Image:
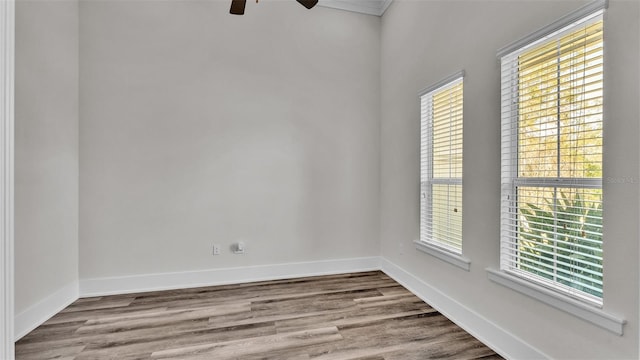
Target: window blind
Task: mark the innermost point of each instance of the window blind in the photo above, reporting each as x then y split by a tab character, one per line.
441	166
551	176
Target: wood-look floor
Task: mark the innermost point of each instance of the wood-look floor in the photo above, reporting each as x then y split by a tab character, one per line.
353	316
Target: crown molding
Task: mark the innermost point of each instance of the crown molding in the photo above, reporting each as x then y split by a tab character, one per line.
369	7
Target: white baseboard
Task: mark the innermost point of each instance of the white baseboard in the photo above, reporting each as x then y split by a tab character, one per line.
501	341
178	280
42	311
498	339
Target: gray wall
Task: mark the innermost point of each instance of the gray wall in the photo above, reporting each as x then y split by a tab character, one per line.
199	127
423	42
46	179
295	131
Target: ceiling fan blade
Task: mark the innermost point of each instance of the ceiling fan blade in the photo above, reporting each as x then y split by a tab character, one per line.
237	7
308	3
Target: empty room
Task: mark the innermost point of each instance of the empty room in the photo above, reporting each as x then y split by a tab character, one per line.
332	179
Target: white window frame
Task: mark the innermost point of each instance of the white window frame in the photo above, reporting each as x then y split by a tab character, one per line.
586	309
427	243
511	181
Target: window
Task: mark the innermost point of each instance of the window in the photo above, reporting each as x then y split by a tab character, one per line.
441	165
551	202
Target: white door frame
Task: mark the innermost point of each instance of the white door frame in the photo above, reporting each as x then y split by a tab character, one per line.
7	52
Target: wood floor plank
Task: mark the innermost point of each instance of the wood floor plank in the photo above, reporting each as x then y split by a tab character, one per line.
383	297
104	303
144	347
56	353
258	345
363	316
148	335
84	316
114	324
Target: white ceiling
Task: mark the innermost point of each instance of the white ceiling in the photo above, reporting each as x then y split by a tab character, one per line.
370	7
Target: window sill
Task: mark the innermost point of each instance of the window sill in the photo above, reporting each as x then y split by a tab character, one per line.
574	307
444	255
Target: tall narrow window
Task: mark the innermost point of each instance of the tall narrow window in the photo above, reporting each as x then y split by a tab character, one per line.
441	166
552	116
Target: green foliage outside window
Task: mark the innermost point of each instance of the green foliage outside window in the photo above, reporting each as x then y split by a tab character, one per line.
567	247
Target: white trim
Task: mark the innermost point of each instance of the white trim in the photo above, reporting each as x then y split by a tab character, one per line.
42	311
444	255
559	182
237	275
7	52
385	6
498	339
368	7
557	25
589	290
559	301
450	238
450	80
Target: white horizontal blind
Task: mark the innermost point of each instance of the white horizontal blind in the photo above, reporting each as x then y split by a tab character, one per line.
441	167
551	203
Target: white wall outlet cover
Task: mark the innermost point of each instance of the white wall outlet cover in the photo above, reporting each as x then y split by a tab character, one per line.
239	247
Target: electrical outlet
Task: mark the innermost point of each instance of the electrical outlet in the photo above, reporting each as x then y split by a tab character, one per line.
239	248
216	249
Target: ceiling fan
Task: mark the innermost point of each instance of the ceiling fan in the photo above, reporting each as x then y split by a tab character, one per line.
237	6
